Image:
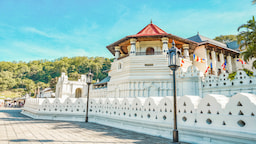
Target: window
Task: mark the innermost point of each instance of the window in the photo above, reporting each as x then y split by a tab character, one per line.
219	72
210	55
78	93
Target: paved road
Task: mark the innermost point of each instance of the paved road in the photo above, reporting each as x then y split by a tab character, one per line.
17	128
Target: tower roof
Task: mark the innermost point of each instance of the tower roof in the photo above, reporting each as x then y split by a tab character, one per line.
199	38
150	30
149	33
204	40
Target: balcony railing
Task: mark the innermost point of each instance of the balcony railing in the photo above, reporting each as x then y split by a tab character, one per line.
142	53
151	53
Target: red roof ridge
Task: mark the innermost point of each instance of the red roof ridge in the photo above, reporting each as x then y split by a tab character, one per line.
150	29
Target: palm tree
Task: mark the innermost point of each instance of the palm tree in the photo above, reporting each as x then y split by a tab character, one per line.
247	39
248	36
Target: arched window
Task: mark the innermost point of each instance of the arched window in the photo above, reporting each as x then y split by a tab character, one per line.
150	51
78	93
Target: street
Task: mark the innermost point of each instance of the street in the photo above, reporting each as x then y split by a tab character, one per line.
17	128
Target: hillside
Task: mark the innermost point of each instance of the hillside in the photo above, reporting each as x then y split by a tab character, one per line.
25	77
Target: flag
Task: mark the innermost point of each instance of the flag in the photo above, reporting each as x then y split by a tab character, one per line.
240	60
182	62
198	59
202	60
210	66
207	69
224	65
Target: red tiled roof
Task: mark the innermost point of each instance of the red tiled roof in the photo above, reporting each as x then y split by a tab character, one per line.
150	30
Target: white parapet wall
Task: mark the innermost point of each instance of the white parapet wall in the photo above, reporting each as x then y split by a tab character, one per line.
212	119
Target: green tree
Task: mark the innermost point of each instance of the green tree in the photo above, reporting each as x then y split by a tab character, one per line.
6	80
74	76
225	38
29	85
26	77
53	83
247	39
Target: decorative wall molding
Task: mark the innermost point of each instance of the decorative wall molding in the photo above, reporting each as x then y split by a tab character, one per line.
214	118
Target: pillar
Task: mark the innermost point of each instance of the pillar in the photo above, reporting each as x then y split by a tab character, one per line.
221	60
207	60
214	62
165	44
229	64
133	47
117	52
237	64
186	50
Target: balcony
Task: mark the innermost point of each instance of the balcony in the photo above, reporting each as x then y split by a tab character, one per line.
143	54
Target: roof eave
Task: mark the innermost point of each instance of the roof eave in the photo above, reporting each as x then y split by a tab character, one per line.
208	42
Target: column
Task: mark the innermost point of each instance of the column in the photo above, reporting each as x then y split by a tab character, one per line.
214	62
186	50
117	52
207	59
165	44
133	47
237	64
229	64
221	60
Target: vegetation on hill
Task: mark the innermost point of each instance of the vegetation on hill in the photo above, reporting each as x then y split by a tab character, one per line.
25	77
225	38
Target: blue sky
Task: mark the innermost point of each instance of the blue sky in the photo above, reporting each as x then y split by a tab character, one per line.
49	29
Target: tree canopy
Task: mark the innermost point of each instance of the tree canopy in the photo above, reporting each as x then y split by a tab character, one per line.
225	38
26	77
247	39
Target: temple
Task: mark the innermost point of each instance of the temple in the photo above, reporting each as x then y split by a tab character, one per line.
216	100
140	66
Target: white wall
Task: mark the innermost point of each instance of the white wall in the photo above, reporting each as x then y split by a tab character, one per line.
212	119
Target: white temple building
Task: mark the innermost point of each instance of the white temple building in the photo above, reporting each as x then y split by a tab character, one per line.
137	94
140	68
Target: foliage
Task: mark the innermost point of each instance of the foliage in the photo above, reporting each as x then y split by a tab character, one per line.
249	52
10	94
247	39
248	72
225	38
27	77
254	64
232	75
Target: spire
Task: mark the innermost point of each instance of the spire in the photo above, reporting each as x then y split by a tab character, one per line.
173	44
197	33
151	21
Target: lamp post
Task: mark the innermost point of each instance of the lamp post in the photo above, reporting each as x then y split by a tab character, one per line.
173	64
89	77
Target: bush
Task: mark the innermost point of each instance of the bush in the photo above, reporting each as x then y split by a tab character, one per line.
248	72
232	75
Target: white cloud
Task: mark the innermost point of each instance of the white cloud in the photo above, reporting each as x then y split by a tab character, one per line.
33	51
54	35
